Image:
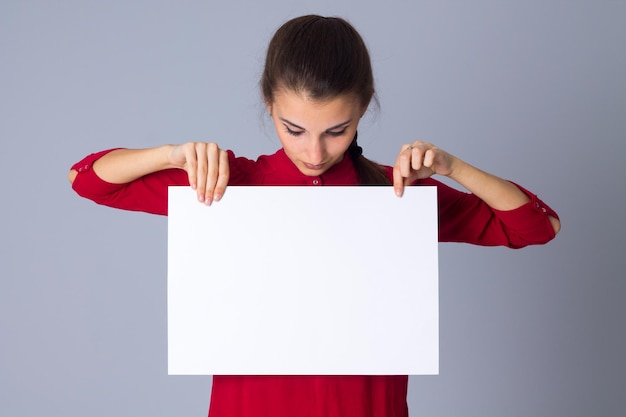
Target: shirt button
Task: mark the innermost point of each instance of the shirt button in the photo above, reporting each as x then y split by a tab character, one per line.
316	182
84	168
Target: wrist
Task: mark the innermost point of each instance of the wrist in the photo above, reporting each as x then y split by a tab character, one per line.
458	169
166	156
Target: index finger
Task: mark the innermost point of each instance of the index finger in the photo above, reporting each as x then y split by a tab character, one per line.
398	181
403	163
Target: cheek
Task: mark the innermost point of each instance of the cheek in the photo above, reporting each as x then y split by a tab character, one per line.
341	146
290	146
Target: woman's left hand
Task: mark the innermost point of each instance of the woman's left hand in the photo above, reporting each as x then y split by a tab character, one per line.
420	160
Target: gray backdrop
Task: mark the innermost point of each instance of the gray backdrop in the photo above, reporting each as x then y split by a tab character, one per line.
531	90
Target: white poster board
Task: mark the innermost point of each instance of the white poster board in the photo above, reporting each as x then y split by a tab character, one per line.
303	281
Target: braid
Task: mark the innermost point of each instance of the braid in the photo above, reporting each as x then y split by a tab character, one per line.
369	172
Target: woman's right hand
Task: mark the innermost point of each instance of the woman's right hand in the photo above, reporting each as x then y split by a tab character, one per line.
207	168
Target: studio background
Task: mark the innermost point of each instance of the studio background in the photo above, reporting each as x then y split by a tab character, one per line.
533	91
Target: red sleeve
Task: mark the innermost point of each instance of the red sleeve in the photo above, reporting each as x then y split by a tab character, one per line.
463	217
147	194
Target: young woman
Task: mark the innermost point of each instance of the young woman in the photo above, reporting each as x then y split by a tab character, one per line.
317	84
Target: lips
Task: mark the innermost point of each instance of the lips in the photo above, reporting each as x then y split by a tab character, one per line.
314	167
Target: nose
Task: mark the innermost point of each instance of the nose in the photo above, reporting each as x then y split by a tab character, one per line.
316	150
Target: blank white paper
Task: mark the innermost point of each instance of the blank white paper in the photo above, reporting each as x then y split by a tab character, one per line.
303	281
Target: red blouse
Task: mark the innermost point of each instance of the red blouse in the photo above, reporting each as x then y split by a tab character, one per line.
463	217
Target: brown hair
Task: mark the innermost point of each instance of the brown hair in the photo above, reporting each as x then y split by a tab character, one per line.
323	57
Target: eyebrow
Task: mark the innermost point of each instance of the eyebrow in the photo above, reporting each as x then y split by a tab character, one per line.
330	128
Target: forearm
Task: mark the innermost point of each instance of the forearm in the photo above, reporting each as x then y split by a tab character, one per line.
125	165
498	193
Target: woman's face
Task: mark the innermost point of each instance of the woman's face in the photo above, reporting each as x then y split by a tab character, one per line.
315	134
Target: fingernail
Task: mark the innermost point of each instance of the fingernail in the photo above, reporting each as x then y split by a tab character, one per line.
200	197
208	201
399	193
217	197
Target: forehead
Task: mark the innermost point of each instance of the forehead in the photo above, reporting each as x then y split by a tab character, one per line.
296	104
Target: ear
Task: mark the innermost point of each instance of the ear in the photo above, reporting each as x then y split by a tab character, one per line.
268	106
364	109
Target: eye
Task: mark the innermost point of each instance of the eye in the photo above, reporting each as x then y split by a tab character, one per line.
293	132
337	134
